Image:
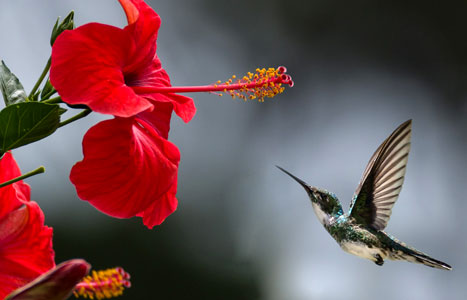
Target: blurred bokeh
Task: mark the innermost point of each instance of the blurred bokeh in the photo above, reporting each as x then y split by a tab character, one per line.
243	230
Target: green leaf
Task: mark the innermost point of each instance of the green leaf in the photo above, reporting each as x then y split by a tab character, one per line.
27	122
12	90
61	111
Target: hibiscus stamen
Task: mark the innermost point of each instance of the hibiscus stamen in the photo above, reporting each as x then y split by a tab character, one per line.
259	85
103	284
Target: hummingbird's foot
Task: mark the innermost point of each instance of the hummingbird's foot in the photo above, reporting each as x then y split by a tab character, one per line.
379	260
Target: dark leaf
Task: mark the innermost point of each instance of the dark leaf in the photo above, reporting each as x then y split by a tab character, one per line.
27	122
61	111
12	90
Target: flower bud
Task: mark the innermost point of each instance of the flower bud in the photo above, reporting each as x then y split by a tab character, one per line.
56	284
67	24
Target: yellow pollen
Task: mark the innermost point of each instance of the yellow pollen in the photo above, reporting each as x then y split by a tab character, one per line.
259	85
103	284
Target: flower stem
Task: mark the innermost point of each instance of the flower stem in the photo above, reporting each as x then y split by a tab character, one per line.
53	100
265	83
81	115
196	89
39	81
39	170
46	96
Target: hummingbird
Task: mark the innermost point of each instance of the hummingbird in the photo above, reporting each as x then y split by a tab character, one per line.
360	232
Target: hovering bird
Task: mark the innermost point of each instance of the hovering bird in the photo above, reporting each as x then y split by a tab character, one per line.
361	231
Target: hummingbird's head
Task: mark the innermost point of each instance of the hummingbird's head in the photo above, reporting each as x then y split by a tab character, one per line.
325	204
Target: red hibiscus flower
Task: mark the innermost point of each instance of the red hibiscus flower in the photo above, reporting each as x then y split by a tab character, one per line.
99	65
129	167
25	243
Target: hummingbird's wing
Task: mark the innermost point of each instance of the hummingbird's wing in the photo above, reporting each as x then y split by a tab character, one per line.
382	180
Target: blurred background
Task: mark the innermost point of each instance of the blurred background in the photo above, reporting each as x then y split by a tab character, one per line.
243	229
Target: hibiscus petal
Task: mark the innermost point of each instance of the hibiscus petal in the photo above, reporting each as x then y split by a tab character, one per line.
26	247
159	118
160	209
143	25
11	196
127	166
184	107
87	68
130	10
153	75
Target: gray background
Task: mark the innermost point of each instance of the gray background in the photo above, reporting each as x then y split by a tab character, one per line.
243	230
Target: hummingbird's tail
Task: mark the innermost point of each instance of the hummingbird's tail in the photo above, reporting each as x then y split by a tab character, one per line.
404	252
419	257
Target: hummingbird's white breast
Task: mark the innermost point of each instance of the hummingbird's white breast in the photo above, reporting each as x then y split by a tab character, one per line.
362	250
322	216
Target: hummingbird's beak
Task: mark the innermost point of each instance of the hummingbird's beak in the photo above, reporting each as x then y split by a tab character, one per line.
301	182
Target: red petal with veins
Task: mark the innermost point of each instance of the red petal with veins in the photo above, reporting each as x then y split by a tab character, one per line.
159	118
25	243
87	69
159	210
25	247
11	196
143	30
129	169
